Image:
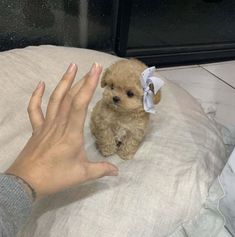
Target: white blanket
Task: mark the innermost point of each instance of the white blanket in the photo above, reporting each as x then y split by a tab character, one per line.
162	187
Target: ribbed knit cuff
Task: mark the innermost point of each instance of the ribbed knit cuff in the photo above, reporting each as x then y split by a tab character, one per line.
14	200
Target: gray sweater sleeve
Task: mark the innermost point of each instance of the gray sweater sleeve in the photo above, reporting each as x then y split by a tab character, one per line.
15	206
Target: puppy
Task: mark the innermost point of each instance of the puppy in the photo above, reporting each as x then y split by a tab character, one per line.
119	121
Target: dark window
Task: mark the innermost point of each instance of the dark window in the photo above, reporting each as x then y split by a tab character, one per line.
59	22
162	32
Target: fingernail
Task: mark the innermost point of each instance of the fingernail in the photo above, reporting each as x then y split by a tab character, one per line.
113	173
39	84
113	170
71	67
94	68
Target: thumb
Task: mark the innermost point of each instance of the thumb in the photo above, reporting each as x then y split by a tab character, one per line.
97	170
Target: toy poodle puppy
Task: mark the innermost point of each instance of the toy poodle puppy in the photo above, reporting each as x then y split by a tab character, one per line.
119	120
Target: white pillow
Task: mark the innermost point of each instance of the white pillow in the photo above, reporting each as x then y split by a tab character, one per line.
162	187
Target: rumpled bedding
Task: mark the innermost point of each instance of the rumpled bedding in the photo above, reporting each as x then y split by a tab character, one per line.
164	186
217	215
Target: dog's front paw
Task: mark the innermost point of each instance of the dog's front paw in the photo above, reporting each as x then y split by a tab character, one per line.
107	150
125	156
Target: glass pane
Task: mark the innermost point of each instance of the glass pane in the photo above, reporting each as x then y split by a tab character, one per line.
89	25
60	22
164	23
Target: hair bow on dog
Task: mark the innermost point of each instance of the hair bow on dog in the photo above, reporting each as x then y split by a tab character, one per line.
146	79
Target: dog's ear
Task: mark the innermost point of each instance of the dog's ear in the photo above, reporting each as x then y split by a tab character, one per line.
104	78
157	97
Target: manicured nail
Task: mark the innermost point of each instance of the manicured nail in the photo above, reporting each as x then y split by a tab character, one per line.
113	170
40	84
94	68
113	173
71	68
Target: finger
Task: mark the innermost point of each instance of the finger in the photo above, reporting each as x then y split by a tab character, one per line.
100	169
66	103
60	91
74	90
85	94
82	99
34	108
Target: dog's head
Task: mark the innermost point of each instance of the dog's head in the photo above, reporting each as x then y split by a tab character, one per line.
123	91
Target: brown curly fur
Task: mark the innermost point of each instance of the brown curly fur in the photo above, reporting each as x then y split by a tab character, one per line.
120	126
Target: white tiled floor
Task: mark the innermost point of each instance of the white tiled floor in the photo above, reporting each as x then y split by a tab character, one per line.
224	70
213	85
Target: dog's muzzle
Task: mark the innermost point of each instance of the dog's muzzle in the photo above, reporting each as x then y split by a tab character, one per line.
116	99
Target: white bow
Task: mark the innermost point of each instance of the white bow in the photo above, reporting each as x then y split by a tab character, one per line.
146	79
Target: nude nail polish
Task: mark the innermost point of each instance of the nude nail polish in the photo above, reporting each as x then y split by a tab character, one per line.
39	84
94	68
71	68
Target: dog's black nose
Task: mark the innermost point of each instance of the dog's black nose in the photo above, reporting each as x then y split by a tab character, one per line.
116	99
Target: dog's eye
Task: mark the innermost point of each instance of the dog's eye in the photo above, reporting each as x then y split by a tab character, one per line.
111	86
130	94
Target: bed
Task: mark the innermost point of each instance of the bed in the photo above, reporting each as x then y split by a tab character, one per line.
163	191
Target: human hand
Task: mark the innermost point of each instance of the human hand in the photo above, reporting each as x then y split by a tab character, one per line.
54	157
